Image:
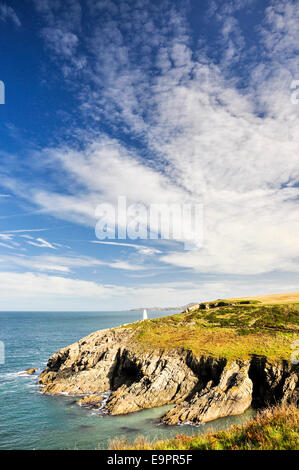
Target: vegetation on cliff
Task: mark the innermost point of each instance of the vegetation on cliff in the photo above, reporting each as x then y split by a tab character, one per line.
224	329
211	361
275	428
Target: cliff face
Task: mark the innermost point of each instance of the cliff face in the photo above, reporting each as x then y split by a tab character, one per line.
202	388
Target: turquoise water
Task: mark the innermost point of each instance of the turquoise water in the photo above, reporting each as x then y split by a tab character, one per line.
30	420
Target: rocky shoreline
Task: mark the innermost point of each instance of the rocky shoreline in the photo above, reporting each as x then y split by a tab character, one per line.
202	388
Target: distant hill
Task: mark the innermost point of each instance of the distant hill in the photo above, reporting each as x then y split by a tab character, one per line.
285	298
153	309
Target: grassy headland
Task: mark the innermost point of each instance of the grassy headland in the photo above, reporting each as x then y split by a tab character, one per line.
235	328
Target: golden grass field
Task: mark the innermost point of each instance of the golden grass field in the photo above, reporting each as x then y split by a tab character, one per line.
285	298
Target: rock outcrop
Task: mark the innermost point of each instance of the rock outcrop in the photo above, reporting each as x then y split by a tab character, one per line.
90	366
93	401
31	371
231	396
202	388
274	382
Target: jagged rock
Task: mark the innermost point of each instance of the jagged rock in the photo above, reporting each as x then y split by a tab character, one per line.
232	396
31	371
164	378
88	366
203	388
94	401
191	308
290	391
274	382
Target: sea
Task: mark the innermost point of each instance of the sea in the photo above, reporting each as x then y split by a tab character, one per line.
32	420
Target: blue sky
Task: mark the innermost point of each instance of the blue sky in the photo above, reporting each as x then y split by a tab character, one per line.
161	102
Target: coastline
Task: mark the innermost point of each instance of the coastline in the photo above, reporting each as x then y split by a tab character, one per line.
142	374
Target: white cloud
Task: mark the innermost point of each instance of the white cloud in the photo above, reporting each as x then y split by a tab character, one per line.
205	138
63	21
8	14
49	292
30	284
41	243
11	236
62	42
6	236
144	250
65	264
26	230
5	245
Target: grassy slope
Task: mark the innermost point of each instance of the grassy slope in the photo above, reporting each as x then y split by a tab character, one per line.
231	331
285	298
272	429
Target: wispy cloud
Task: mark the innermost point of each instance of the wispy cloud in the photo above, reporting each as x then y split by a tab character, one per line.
56	292
65	264
6	236
144	250
6	245
7	13
15	237
25	230
202	132
41	243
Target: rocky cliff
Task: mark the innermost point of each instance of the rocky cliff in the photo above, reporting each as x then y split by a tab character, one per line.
202	387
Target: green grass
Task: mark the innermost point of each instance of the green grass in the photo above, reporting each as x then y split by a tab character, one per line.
275	428
230	331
